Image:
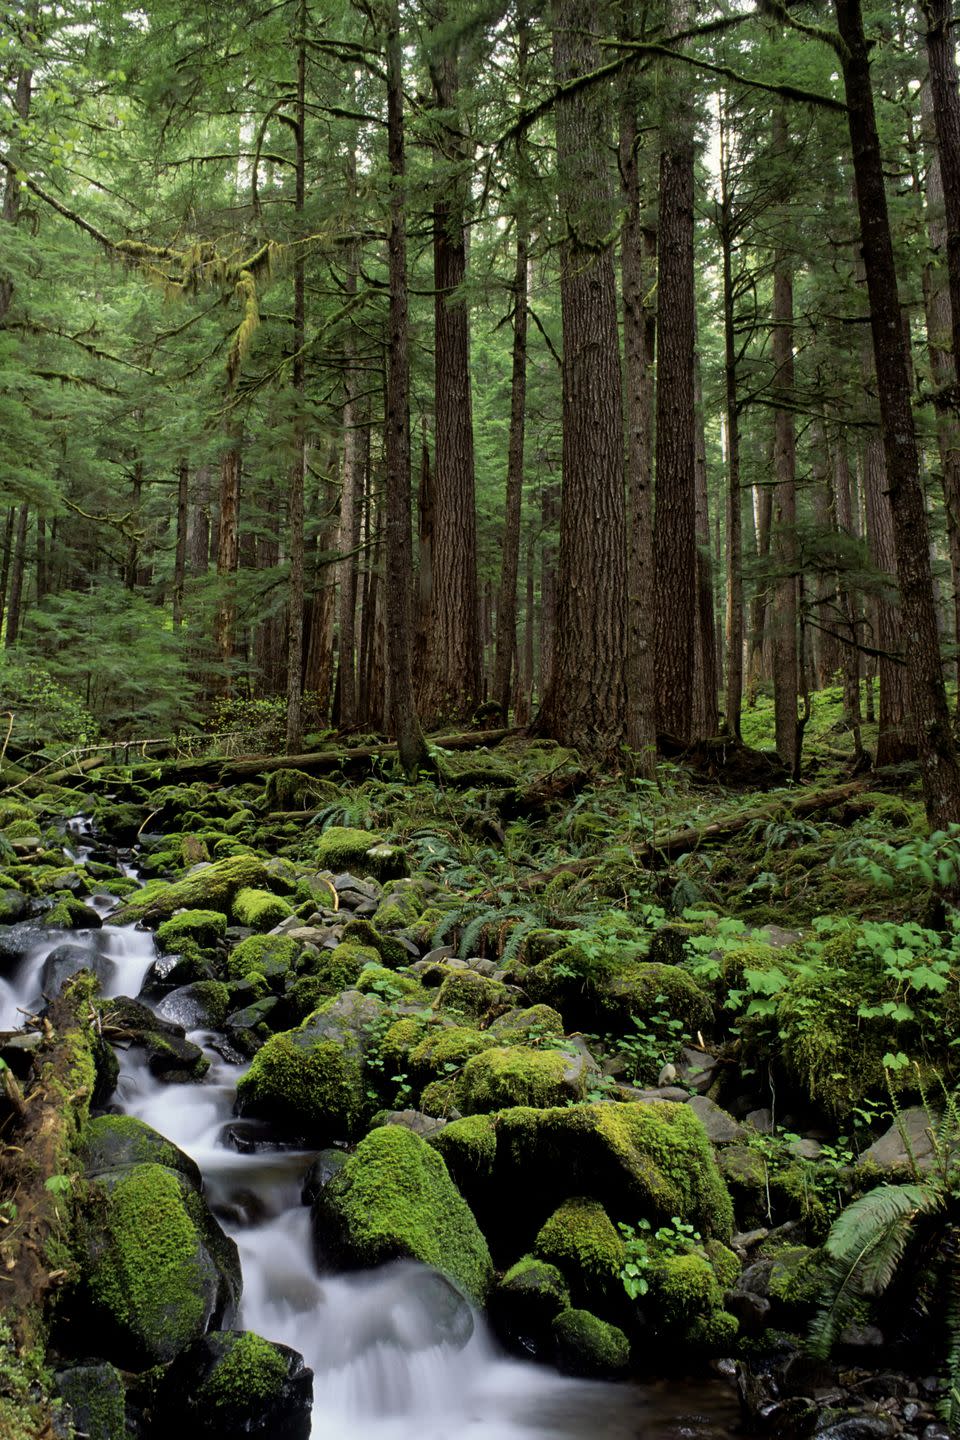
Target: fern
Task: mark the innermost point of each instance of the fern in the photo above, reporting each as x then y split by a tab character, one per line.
864	1247
474	930
447	923
518	934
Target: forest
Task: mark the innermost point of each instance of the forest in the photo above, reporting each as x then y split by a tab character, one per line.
480	713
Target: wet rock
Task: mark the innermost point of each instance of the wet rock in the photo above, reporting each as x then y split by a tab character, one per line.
589	1347
672	1093
170	1055
752	1311
96	1398
438	955
195	1006
525	1303
721	1128
65	961
234	1383
697	1070
115	1142
14	906
328	1163
859	1427
415	1120
909	1135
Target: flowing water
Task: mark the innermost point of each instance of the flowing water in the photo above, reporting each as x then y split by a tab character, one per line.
370	1338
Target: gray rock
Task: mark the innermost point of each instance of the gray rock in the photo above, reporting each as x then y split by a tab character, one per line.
65	961
779	938
751	1310
909	1134
328	1163
14	906
761	1120
697	1070
366	889
721	1128
440	953
671	1093
415	1120
805	1148
96	1400
859	1427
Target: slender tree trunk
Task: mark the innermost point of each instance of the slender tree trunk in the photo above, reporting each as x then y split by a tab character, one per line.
893	745
451	682
786	674
944	93
299	469
734	626
43	576
350	501
706	715
132	562
7	557
638	418
228	556
938	760
399	543
849	652
21	104
760	601
674	535
16	581
180	557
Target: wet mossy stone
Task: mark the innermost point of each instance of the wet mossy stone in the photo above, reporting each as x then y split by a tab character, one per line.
170	1055
253	953
114	1142
392	952
339	968
156	1269
643	989
587	1347
14	905
202	1004
580	1240
446	1047
641	1160
687	1302
259	909
527	1026
402	903
234	1383
340	848
207	887
203	927
312	1081
512	1075
392	985
395	1199
69	914
97	1400
475	996
250	1027
524	1304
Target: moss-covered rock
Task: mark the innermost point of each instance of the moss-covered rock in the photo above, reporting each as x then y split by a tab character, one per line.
394	1198
524	1304
234	1383
471	995
532	1025
69	914
170	1055
340	848
687	1301
209	887
581	1241
339	968
512	1075
156	1269
203	927
588	1347
391	952
445	1048
403	903
644	989
112	1142
256	951
97	1400
259	909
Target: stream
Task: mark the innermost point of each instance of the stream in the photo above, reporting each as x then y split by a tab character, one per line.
368	1337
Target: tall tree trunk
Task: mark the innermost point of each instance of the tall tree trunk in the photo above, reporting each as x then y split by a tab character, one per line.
706	715
786	673
734	619
350	502
228	556
180	557
405	723
43	571
942	59
21	104
132	562
827	648
849	652
760	600
893	745
299	468
7	557
506	644
16	581
674	534
638	418
451	682
938	760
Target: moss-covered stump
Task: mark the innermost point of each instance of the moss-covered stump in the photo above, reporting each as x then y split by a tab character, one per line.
259	909
580	1240
394	1199
524	1304
234	1383
209	887
96	1400
156	1270
588	1347
311	1082
360	851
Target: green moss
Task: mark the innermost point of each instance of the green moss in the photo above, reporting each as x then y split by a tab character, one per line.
402	904
530	1026
340	848
295	790
402	1038
685	1286
532	1274
22	830
726	1264
96	1397
26	1407
581	1241
210	887
392	953
589	1347
515	1075
68	914
259	909
393	986
253	1371
444	1047
113	1141
148	1270
394	1198
203	927
464	992
305	1083
642	989
796	1280
251	954
340	968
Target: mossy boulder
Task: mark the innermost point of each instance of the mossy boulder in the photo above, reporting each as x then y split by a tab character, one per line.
257	951
97	1400
14	905
112	1142
170	1055
69	914
156	1269
445	1048
203	927
208	887
203	1004
402	903
312	1082
524	1304
531	1025
474	996
391	951
339	968
687	1302
234	1383
259	909
469	1150
394	1198
588	1347
512	1075
581	1241
340	848
643	990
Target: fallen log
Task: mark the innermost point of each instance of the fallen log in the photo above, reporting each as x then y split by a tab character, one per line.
694	837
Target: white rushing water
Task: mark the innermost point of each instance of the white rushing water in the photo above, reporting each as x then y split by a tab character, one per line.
370	1338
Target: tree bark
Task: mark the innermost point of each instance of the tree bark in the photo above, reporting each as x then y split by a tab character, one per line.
734	618
299	468
786	673
674	534
16	582
21	104
706	715
942	60
180	556
399	543
937	756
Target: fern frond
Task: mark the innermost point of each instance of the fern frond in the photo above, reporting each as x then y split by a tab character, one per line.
518	934
474	930
864	1247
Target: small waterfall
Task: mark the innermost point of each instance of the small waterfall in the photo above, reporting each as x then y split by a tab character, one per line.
381	1373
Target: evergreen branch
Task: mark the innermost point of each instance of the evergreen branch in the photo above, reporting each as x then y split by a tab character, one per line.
785	92
778	10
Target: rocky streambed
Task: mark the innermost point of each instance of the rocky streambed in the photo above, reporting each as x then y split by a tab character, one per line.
329	1177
